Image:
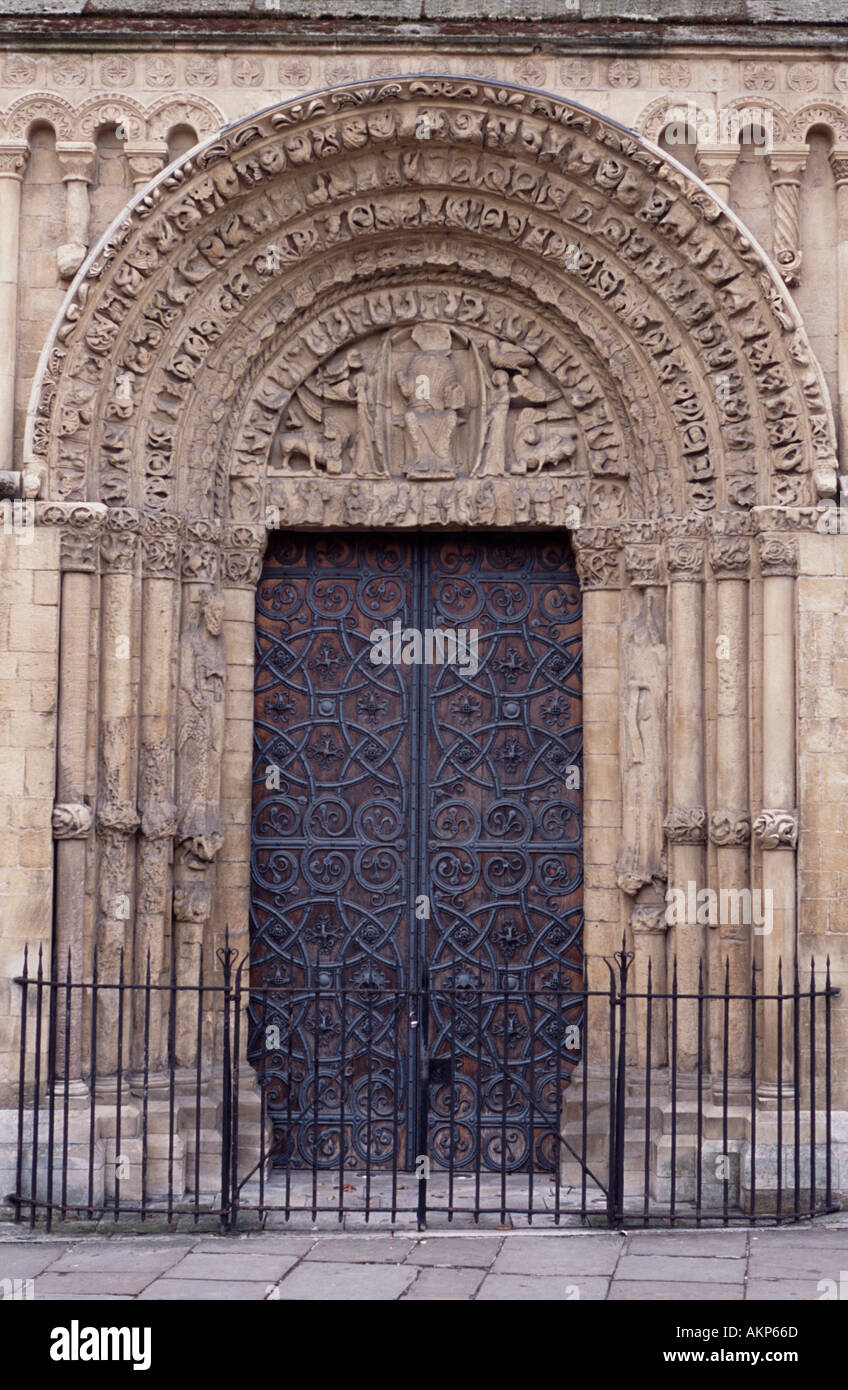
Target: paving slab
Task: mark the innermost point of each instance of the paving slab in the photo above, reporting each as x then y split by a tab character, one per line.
127	1283
781	1290
470	1251
263	1243
795	1262
688	1269
730	1243
115	1256
445	1284
384	1249
25	1261
530	1288
568	1255
263	1269
350	1282
185	1290
650	1290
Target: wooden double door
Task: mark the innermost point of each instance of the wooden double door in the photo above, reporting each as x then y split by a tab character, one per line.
416	854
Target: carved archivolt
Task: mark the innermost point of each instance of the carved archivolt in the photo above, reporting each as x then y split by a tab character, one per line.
529	308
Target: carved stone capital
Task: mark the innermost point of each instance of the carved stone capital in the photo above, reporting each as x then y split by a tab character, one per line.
77	160
839	164
649	919
685	560
776	829
643	566
71	820
145	160
686	825
778	555
730	827
730	556
119	541
200	550
243	549
13	158
787	165
81	523
160	546
598	569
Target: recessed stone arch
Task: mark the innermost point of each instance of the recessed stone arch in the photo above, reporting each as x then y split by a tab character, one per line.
612	353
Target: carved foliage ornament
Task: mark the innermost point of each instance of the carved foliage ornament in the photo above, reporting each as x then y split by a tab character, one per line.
686	825
730	827
776	829
536	178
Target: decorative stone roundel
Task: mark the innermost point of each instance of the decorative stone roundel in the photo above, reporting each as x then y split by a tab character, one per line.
425	301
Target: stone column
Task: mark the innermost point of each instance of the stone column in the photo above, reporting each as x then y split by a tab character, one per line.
72	814
13	158
730	821
77	161
117	818
686	821
776	827
716	163
839	164
787	170
159	612
145	161
200	718
597	552
641	866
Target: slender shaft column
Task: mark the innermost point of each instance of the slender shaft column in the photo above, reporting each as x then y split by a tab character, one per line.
13	158
839	164
71	813
686	822
159	613
730	821
787	170
599	567
117	817
77	162
776	827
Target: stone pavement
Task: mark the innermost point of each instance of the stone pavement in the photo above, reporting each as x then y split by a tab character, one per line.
732	1265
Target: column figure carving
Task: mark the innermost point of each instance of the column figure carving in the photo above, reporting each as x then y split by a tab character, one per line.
117	817
200	739
160	559
839	165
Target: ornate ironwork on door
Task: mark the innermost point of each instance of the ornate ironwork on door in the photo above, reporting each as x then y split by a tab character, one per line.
416	907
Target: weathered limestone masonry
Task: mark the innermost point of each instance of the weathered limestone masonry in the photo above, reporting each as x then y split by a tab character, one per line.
555	195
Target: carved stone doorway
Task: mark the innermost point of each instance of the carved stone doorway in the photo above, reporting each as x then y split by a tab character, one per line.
416	864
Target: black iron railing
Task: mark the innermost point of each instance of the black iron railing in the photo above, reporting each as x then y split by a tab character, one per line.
222	1099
